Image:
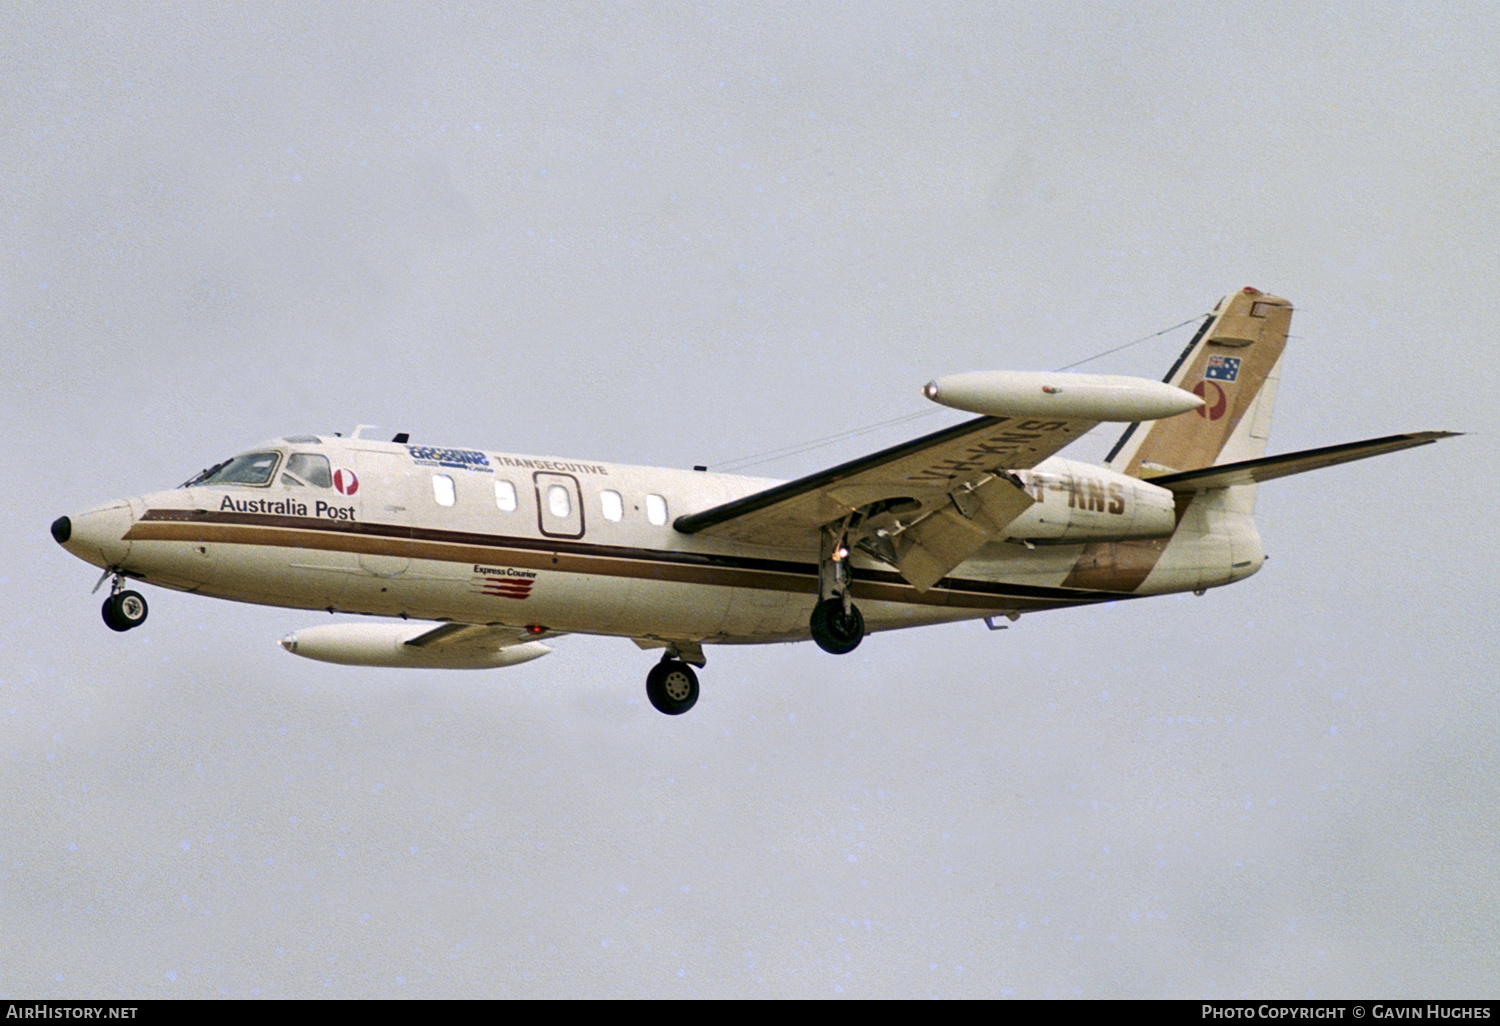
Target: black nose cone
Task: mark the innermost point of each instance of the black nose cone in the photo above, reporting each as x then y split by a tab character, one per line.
62	530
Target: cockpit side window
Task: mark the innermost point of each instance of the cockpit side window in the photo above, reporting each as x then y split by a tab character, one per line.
253	468
307	468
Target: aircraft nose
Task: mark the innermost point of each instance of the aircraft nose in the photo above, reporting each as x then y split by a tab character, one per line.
98	535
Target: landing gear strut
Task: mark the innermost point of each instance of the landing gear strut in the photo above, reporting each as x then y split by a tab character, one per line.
672	686
123	610
836	625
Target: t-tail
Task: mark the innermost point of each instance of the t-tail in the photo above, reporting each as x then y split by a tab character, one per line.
1233	363
1212	458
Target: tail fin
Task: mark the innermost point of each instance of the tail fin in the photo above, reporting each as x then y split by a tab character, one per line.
1234	363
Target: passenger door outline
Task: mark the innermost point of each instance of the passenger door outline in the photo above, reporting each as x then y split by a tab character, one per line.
549	524
386	495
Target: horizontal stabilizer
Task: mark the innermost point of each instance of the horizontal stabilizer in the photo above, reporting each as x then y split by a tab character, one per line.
1270	467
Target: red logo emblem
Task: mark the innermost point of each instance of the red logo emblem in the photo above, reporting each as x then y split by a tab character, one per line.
345	483
1213	405
509	585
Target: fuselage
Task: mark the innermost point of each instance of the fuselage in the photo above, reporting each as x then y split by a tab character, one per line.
430	533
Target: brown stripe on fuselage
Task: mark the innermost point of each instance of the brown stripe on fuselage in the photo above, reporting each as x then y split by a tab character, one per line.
1122	565
1110	565
585	558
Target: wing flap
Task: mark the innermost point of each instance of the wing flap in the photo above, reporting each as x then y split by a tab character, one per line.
1269	468
929	549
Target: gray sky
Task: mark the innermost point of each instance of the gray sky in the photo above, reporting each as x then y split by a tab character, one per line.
675	235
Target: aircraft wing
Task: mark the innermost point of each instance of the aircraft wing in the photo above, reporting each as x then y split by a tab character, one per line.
943	495
1270	467
456	637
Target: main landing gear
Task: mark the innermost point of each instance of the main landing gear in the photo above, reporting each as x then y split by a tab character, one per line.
836	624
123	610
672	686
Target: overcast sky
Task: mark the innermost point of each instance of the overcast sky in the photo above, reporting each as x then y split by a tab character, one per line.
687	234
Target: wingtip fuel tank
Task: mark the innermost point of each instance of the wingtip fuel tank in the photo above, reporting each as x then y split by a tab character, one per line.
1099	397
387	645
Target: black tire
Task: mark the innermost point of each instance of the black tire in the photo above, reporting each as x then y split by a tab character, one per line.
672	687
835	631
125	611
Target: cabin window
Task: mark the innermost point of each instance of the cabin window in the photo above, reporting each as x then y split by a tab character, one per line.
612	505
307	468
558	503
656	509
253	468
505	496
442	489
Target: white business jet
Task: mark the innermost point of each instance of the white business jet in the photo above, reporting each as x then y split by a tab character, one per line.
492	553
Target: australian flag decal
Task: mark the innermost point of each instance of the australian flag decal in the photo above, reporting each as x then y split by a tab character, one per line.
1222	368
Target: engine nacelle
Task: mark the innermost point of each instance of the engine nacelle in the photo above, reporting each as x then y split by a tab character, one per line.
385	644
1078	502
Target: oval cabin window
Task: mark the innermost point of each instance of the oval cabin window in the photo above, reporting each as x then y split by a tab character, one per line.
656	509
505	496
611	505
442	489
557	501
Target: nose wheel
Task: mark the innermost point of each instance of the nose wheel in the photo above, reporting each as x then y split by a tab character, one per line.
672	686
124	610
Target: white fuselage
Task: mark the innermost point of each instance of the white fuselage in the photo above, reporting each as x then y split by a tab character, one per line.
573	546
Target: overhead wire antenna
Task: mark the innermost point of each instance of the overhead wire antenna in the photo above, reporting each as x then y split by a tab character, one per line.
801	447
797	448
1155	334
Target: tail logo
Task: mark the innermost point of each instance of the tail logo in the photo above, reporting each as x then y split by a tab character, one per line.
1213	407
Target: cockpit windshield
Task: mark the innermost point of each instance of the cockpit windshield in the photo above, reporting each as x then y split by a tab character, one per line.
251	468
307	468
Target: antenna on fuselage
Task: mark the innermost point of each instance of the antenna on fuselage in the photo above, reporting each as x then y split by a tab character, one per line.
359	432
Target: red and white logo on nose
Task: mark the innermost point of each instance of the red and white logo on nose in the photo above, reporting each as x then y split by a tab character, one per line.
344	482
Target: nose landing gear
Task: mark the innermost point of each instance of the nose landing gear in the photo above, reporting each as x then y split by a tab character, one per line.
123	610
